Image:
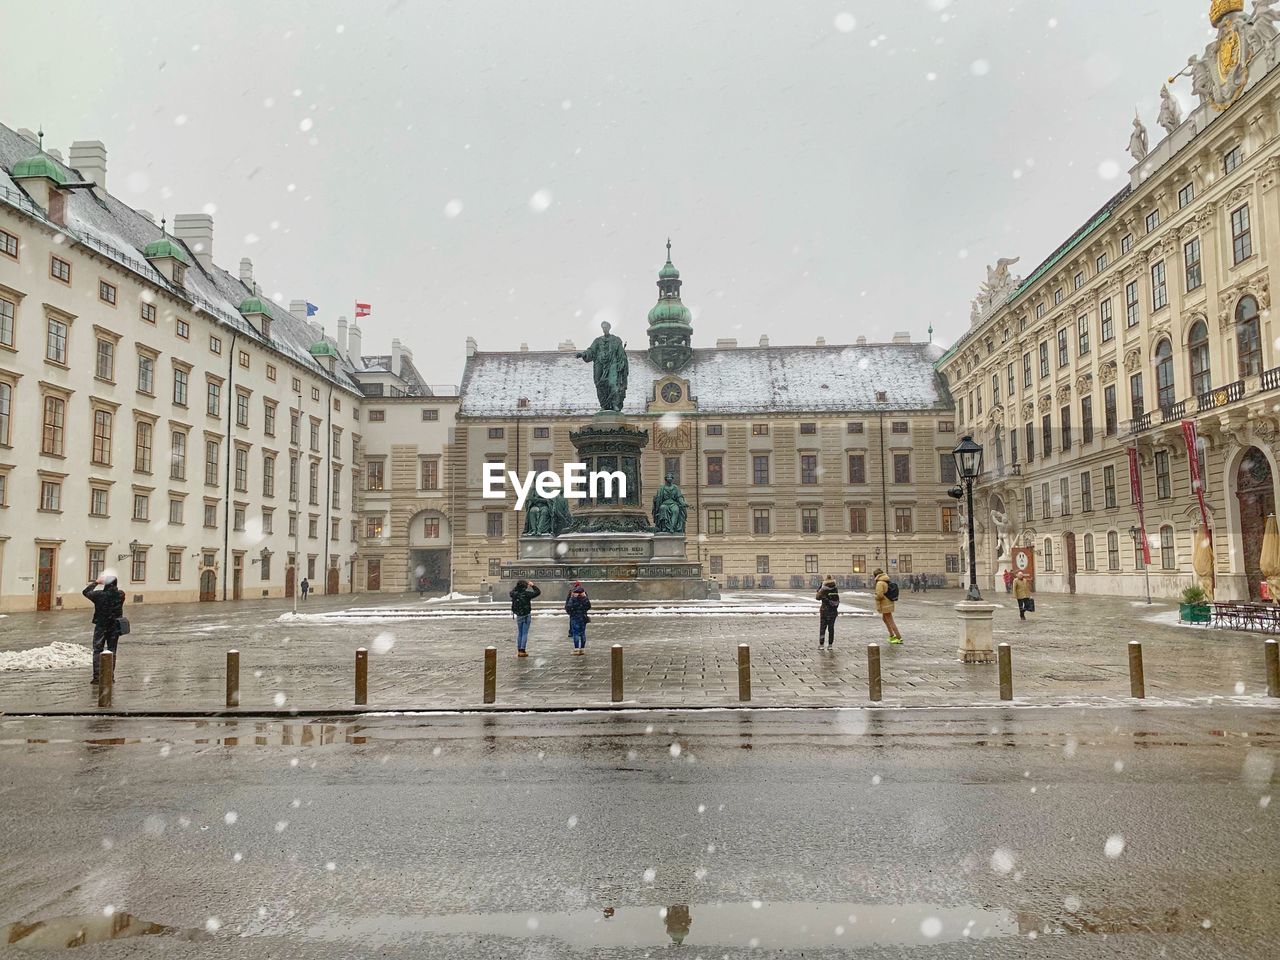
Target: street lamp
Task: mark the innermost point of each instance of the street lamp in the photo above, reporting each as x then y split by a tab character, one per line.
1136	533
968	456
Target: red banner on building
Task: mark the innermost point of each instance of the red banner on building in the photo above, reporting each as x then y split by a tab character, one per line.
1135	490
1193	458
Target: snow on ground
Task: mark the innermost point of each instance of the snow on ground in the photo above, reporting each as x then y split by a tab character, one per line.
55	656
452	596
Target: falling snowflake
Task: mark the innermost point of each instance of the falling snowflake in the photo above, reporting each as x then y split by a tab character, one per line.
231	817
649	875
1002	860
540	201
453	208
931	927
1114	846
383	642
845	22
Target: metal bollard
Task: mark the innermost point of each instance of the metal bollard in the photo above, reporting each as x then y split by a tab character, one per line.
233	678
744	671
362	676
1005	655
874	686
1273	667
1137	681
490	674
616	668
107	678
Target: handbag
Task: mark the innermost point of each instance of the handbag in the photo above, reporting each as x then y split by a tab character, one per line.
122	626
1031	604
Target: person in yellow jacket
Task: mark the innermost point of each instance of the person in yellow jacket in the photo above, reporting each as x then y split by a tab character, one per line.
884	606
1022	593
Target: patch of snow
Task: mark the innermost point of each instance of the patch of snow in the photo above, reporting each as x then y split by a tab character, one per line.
58	655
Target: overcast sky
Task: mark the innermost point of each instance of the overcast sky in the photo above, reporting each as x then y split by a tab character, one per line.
511	170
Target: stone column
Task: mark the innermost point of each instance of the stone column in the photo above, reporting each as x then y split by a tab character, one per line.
975	631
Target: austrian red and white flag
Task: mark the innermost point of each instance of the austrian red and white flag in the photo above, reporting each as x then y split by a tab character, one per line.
362	309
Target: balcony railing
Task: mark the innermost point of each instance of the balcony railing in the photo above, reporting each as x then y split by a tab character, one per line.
1220	396
1139	424
1270	379
1174	411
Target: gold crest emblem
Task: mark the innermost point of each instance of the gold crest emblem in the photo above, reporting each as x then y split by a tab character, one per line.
1228	54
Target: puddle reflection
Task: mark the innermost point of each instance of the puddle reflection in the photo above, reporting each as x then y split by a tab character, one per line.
64	932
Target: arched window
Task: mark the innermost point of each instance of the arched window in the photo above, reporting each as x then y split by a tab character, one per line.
1089	562
1048	554
1198	351
1113	550
1168	554
1164	375
1248	337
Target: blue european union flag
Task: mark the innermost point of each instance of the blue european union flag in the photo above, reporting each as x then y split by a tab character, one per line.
312	309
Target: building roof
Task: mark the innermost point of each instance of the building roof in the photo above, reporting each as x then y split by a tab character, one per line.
110	228
39	166
381	363
830	378
166	247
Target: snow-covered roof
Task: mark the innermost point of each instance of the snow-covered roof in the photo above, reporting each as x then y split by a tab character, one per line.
115	230
381	363
723	381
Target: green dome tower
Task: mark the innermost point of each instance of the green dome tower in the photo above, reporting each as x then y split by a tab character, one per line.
670	323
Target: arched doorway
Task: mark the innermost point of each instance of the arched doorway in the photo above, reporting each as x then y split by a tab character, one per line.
1255	494
208	586
428	567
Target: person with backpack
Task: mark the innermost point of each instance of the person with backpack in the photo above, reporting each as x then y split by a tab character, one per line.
886	597
576	606
522	597
108	607
828	610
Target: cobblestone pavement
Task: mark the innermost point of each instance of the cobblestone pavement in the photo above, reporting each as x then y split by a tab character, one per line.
1072	651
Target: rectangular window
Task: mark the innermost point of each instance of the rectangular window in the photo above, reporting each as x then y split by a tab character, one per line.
1136	405
1013	445
1109	415
1040	309
335	488
1026	371
98	501
1153	220
1168	555
715	429
539	433
1232	159
1046	434
6	322
142	506
175	566
808	519
101	438
147	312
183	329
715	520
181	380
50	495
1064	497
995	388
107	292
717	564
1241	235
1009	379
143	434
808	429
900	427
375	416
760	520
902	468
212	451
1164	488
497	433
97	562
431	528
715	471
213	399
903	520
1109	487
857	519
859	563
1086	419
59	269
178	455
8	244
950	517
374	475
1030	434
1077	281
493	524
760	470
315	435
808	468
1029	504
953	563
146	374
762	564
215	344
1191	264
211	516
810	563
1186	195
759	429
1101	263
104	367
1113	551
55	348
1086	492
854	426
54	426
430	473
313	485
1159	289
1106	322
1044	360
904	563
1131	316
138	568
1057	296
243	359
1046	506
269	417
175	510
946	468
268	475
1126	243
242	409
1065	417
1082	335
242	470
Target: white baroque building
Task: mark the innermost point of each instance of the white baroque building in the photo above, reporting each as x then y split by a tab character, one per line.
158	417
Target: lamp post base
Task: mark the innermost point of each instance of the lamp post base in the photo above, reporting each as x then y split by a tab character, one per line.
975	632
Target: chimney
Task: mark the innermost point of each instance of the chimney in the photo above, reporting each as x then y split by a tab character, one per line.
193	229
764	339
472	347
298	310
902	336
395	356
566	346
353	344
860	342
726	343
524	348
246	273
342	335
820	342
90	158
406	357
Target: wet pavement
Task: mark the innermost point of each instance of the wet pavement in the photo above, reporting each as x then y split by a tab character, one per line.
1047	832
427	655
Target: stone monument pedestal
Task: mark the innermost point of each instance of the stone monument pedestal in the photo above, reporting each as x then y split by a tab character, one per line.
975	631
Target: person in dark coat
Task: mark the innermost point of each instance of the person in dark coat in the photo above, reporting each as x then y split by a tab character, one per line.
306	587
522	597
576	606
828	610
108	607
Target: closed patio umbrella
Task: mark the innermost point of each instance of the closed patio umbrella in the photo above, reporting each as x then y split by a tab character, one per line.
1202	559
1269	562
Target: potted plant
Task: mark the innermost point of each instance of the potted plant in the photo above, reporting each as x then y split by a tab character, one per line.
1193	606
